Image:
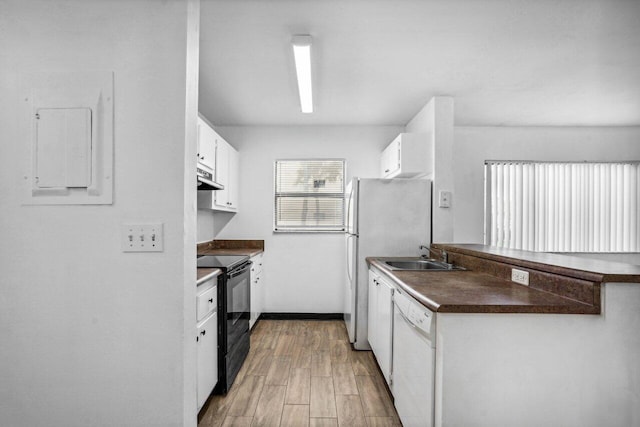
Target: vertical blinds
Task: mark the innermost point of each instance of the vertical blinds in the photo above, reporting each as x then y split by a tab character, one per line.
309	195
563	207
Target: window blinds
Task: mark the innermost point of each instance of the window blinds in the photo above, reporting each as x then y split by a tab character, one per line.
309	195
563	207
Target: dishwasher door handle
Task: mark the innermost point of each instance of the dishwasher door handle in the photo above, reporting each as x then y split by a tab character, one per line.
405	317
420	330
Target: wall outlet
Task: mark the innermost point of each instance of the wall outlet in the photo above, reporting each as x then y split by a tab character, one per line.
444	199
520	276
142	237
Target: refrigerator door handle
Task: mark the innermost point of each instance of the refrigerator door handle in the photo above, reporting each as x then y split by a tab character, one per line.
350	223
349	236
349	211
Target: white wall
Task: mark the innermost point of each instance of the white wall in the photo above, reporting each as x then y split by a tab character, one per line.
474	145
303	272
205	225
91	335
436	119
189	220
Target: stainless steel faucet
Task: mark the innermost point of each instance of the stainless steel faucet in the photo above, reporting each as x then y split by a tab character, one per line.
428	254
443	253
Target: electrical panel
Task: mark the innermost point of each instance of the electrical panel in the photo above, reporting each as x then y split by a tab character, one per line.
69	135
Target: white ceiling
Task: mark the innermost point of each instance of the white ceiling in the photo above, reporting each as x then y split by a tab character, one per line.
375	62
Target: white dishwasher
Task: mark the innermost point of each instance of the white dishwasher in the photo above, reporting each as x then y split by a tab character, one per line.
413	361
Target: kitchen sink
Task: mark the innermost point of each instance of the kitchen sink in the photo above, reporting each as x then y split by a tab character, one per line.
421	264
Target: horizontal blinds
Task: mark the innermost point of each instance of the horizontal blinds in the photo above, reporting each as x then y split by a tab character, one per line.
309	195
564	207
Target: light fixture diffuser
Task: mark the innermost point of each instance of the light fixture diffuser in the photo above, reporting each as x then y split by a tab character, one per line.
302	56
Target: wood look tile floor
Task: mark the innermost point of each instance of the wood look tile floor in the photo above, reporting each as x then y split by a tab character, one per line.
303	373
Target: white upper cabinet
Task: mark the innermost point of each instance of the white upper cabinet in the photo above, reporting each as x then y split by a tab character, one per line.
390	160
407	156
223	161
206	146
227	174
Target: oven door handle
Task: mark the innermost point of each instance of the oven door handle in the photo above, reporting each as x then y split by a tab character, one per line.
241	270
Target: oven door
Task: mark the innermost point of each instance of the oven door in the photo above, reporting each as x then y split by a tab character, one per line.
238	304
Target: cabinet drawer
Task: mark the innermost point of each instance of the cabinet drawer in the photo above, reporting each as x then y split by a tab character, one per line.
206	302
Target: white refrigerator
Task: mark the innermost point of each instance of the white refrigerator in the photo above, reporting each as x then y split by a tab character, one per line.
384	217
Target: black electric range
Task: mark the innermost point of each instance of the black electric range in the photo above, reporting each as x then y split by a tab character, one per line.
234	309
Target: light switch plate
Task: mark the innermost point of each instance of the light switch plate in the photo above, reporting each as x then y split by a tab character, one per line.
444	200
142	237
520	276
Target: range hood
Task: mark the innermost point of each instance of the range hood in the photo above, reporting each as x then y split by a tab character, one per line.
206	182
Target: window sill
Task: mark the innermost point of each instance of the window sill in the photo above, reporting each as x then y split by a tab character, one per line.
308	231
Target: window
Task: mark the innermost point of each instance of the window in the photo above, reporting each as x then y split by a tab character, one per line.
563	207
309	195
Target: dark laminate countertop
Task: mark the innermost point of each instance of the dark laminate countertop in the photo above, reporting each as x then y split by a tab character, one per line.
202	273
478	292
231	247
234	251
567	265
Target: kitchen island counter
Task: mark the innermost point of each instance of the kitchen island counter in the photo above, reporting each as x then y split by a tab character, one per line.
497	346
465	291
562	264
558	283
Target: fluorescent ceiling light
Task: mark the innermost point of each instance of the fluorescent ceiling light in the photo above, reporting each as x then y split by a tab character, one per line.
302	56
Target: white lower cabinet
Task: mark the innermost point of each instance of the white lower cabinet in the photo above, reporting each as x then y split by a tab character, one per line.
257	289
207	357
381	322
207	339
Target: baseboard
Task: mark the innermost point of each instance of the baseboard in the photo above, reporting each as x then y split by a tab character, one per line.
301	316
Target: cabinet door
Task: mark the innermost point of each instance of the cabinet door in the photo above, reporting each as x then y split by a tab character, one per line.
390	159
234	177
221	197
207	358
256	289
259	294
253	305
206	146
383	163
372	326
384	325
395	157
380	322
200	139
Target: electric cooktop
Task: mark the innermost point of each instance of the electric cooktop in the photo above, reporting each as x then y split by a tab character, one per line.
227	262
